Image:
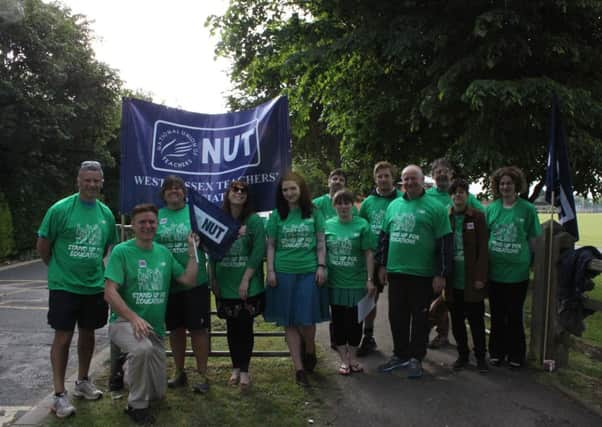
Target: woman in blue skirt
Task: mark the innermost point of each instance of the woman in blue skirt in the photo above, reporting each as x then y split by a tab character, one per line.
296	265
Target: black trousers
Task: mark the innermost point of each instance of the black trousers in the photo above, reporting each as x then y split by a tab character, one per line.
240	340
345	329
506	301
409	301
474	312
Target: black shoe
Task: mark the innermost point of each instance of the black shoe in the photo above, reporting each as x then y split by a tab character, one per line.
482	366
309	361
180	380
367	346
301	378
460	363
116	383
140	416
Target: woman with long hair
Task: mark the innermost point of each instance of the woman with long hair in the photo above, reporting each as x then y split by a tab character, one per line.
513	225
237	281
296	264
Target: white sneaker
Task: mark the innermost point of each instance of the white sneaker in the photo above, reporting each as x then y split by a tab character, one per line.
87	390
61	406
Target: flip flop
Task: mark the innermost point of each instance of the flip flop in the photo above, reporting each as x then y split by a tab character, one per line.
344	370
233	380
356	368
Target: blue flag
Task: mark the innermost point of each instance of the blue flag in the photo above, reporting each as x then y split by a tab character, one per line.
558	174
207	151
216	229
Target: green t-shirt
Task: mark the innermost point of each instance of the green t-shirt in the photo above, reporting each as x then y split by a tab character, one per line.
413	226
79	234
346	243
144	277
373	210
510	230
445	199
172	232
246	252
458	276
324	205
295	240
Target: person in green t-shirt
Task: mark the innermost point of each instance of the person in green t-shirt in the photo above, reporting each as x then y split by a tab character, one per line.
237	281
373	209
414	256
296	263
187	309
336	181
349	244
443	172
513	225
465	292
138	278
74	237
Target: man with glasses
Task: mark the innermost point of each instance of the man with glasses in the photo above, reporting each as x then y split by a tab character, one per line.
74	237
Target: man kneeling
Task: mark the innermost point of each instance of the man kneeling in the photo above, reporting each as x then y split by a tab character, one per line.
138	277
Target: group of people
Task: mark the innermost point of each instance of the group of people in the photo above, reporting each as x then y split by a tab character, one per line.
434	249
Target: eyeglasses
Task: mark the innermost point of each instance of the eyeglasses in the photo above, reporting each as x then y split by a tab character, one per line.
90	165
239	190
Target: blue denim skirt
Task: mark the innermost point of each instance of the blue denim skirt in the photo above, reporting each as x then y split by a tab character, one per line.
296	301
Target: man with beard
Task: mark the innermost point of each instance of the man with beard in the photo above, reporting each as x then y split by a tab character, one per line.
373	210
442	172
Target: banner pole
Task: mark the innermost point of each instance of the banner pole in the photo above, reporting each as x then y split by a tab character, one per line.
548	282
122	227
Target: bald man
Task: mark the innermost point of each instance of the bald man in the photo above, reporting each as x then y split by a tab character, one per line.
414	256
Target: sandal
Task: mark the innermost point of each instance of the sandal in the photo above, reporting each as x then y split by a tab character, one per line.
245	383
356	368
344	369
234	378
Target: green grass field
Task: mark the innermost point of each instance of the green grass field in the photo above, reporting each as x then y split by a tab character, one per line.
590	228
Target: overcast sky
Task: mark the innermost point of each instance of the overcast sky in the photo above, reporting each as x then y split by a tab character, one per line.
161	47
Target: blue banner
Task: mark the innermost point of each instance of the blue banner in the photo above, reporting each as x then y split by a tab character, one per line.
207	151
558	174
216	229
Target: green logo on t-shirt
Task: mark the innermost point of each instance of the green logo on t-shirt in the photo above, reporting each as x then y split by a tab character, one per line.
88	234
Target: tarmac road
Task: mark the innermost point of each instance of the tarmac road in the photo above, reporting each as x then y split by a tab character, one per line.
25	339
443	397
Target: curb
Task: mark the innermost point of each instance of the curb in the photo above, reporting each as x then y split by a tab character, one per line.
19	264
41	409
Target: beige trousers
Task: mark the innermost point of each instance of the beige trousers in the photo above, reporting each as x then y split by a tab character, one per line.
144	372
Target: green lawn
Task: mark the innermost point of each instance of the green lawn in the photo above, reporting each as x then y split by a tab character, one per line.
590	228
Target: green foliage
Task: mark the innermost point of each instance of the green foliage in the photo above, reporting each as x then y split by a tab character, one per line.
58	106
7	241
410	81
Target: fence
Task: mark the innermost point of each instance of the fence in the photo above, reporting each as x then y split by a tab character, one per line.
125	232
549	341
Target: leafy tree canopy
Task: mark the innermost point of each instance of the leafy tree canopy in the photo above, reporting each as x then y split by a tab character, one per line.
58	106
409	81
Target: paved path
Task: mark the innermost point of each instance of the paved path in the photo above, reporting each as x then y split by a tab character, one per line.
443	397
25	339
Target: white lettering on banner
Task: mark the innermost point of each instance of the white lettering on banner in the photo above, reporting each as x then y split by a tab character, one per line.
190	150
214	148
209	226
206	187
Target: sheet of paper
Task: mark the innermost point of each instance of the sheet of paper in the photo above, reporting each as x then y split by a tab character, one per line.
364	307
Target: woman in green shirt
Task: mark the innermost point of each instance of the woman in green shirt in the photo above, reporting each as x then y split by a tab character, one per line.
237	281
349	243
296	263
187	308
513	224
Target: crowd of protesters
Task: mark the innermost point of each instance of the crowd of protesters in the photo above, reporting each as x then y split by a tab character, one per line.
439	252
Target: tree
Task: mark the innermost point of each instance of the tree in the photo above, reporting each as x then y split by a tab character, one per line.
410	81
58	106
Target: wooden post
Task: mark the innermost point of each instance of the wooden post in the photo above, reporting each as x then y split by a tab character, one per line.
544	277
